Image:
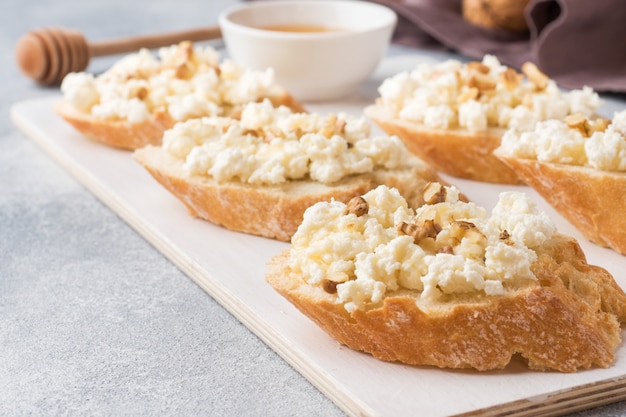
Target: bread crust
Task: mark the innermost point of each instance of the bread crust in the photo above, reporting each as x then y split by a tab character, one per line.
271	211
120	134
593	201
123	134
456	152
567	320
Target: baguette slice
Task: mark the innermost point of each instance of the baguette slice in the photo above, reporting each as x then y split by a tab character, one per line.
184	81
457	152
557	312
548	324
270	211
126	135
453	115
592	201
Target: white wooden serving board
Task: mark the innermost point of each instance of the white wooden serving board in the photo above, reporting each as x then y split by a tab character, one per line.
231	266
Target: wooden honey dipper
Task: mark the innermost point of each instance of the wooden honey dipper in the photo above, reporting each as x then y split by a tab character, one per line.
47	55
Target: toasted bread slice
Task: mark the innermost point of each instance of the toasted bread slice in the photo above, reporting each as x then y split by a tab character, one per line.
272	211
578	165
257	174
457	152
561	314
593	201
186	82
120	134
453	115
127	135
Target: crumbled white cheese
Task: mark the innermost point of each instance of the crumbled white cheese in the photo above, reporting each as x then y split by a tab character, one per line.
473	116
437	96
472	252
271	145
607	150
79	88
556	142
182	80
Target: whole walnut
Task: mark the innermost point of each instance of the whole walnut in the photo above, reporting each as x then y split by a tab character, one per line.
496	14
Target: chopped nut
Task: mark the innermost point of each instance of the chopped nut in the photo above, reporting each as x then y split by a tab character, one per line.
183	61
420	231
233	112
511	78
434	193
466	225
482	82
469	94
579	122
467	230
358	206
340	126
142	93
250	132
446	249
184	52
600	124
184	71
330	126
535	75
139	92
298	132
506	237
138	74
330	286
218	70
271	133
478	67
431	229
406	228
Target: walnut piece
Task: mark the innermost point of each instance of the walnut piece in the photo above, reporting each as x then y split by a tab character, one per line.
330	286
482	82
511	78
579	122
357	206
140	93
469	94
538	78
446	249
183	64
184	71
467	230
330	126
478	67
340	126
426	229
505	237
434	193
600	124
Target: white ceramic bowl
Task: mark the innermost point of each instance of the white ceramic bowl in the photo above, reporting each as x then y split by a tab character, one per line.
313	66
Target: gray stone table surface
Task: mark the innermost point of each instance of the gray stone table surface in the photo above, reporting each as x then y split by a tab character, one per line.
93	320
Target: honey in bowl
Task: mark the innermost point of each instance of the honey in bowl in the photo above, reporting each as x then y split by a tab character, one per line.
300	28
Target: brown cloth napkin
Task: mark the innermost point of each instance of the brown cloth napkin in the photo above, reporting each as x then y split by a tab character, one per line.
575	42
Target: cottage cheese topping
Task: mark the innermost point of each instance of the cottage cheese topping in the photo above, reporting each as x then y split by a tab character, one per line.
467	251
184	81
589	143
476	96
271	145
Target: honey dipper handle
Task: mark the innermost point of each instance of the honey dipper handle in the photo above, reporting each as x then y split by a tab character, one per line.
124	45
